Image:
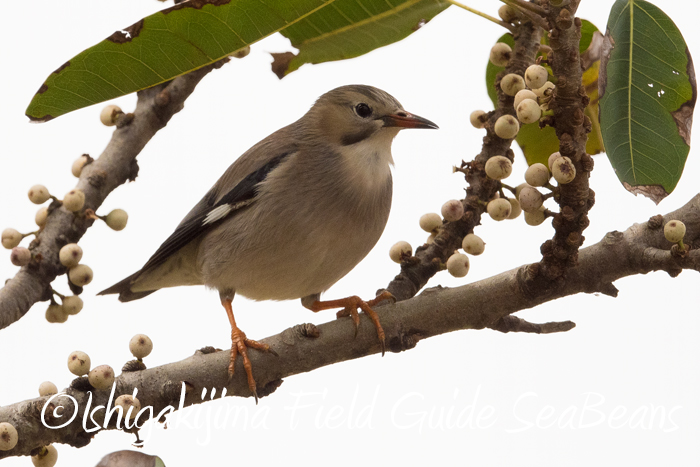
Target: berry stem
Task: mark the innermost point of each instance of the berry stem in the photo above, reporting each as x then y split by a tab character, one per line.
507	187
59	295
483	15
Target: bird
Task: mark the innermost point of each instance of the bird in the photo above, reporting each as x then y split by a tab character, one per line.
291	216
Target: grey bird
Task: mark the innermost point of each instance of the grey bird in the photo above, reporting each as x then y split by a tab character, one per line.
291	216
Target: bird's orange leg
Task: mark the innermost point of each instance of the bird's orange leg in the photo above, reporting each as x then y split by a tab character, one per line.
349	307
240	344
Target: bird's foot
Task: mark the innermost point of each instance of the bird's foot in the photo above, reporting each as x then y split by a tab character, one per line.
350	306
240	345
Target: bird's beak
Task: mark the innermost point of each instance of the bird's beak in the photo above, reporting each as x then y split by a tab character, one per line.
403	119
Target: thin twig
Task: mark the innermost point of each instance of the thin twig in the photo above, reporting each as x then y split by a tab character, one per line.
508	26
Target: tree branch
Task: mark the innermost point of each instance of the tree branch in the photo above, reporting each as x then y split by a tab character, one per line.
116	165
429	259
488	303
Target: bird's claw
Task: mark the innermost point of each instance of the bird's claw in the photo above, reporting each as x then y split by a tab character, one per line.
240	345
355	303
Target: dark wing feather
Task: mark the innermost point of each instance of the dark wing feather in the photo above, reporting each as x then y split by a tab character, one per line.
241	196
207	214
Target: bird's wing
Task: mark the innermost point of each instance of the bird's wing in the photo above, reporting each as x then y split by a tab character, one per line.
235	190
209	212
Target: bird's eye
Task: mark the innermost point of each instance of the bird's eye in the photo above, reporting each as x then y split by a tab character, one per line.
363	110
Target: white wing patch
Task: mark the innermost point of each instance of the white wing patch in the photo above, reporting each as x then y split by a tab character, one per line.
222	211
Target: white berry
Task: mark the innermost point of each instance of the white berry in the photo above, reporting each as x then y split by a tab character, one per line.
77	167
498	167
38	194
47	388
506	127
72	305
535	217
47	457
530	199
74	200
537	175
116	219
528	111
458	264
109	114
10	238
430	239
478	118
674	231
515	208
430	222
541	92
554	156
8	436
399	251
126	402
563	170
500	54
70	255
536	76
512	83
20	256
473	244
41	215
80	275
522	95
508	14
79	363
519	188
101	377
56	314
499	209
453	210
141	345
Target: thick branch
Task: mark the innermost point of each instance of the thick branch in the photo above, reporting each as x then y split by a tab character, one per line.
638	250
568	103
115	166
429	259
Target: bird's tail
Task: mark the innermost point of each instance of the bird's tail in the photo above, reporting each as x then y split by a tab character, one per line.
123	288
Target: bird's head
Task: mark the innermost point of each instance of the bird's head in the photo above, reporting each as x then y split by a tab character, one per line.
351	114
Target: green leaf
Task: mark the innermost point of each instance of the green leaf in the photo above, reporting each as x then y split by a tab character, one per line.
537	144
350	28
648	93
161	47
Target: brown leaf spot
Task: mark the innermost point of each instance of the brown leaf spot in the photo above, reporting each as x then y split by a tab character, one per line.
607	48
593	52
43	119
654	192
280	63
42	89
196	4
684	115
62	67
127	34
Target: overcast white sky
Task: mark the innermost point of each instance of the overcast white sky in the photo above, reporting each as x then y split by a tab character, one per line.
586	397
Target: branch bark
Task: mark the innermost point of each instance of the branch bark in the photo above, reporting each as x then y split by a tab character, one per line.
430	259
485	304
116	165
